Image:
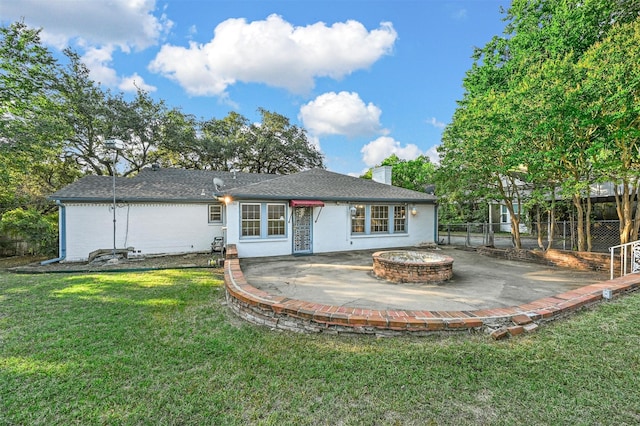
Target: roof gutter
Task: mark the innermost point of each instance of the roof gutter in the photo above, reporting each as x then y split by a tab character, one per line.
203	200
63	235
333	199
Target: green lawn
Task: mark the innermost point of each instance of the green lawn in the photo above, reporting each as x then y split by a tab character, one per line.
162	348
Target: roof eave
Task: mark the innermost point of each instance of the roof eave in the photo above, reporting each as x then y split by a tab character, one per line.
131	199
340	199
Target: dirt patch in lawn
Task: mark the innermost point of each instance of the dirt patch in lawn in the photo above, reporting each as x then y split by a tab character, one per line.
28	264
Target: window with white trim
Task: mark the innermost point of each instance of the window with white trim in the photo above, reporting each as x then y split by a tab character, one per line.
376	219
399	219
275	220
263	220
215	213
250	220
357	219
379	219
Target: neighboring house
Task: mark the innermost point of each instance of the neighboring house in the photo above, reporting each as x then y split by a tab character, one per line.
164	211
602	198
501	213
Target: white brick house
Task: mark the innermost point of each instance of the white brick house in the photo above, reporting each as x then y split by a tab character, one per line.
165	211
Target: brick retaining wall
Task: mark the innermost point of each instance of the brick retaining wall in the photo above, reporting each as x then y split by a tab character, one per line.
580	260
279	312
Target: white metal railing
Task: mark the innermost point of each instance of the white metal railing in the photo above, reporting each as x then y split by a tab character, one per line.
629	259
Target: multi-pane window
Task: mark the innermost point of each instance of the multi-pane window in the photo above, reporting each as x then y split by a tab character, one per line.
379	219
399	219
263	220
275	219
504	214
215	213
357	219
250	220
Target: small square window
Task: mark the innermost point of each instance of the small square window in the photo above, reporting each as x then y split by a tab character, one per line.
215	213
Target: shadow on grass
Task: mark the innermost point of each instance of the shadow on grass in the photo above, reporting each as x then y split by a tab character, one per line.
161	347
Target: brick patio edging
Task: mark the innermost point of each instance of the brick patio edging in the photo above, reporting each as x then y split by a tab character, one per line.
279	312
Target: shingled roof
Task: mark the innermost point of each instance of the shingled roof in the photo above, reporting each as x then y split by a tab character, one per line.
319	184
179	185
159	185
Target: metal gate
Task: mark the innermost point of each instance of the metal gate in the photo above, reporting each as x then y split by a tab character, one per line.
302	230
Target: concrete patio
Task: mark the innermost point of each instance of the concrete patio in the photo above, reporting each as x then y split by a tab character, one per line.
346	279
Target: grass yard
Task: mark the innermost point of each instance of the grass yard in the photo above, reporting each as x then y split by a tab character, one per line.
162	348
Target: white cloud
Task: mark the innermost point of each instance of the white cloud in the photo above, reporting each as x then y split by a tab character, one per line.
433	154
128	24
134	82
435	123
314	140
98	60
375	151
341	113
273	52
98	28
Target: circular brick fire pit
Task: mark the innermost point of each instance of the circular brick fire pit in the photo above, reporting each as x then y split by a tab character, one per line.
403	266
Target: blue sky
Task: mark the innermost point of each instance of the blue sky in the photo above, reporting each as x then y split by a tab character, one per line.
367	79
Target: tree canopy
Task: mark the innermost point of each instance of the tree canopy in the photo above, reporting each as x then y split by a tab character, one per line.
233	143
54	121
550	108
417	174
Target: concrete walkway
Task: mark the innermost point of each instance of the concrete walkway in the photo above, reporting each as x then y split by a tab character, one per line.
346	279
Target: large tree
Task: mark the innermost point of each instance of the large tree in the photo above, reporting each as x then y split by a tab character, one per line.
210	144
31	132
276	146
273	145
611	93
527	112
143	125
417	174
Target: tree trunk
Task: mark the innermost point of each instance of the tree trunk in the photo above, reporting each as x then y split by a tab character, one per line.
552	222
515	226
539	226
623	208
636	218
588	224
577	203
515	231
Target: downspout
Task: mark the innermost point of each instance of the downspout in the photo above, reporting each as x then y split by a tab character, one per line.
435	223
63	235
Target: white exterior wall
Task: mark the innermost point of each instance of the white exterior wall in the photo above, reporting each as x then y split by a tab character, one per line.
148	228
332	232
256	247
505	220
179	228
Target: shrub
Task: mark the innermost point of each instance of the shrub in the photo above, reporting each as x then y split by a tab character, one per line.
39	231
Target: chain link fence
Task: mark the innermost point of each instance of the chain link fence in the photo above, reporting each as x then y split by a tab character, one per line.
604	234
